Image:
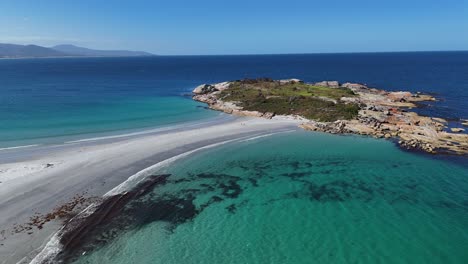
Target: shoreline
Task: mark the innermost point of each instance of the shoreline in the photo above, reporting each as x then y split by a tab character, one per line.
45	187
67	242
48	177
125	132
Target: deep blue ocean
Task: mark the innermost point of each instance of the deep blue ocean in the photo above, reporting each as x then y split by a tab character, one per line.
299	197
42	99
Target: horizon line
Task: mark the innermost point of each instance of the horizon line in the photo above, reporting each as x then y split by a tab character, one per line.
234	54
310	53
240	54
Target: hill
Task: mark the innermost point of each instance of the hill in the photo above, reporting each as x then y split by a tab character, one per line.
35	51
80	51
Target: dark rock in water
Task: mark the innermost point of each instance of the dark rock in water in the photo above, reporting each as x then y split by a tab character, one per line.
78	231
141	206
204	107
457	129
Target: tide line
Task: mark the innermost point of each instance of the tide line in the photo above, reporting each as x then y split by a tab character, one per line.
19	147
53	246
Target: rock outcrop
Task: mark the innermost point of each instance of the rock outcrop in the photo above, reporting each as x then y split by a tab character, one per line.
290	81
382	114
353	85
329	84
457	129
204	89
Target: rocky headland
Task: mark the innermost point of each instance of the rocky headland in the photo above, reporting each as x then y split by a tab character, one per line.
331	107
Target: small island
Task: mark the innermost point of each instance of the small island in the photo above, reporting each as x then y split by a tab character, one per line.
328	106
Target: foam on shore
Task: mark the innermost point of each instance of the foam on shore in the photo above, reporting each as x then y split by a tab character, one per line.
20	147
54	247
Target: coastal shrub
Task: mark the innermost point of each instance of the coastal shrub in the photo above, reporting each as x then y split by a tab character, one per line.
308	107
266	95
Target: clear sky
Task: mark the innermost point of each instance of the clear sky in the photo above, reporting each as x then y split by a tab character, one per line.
240	26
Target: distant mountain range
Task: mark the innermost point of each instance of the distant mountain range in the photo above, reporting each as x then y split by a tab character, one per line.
34	51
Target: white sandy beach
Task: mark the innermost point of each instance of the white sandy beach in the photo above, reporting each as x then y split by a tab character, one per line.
37	179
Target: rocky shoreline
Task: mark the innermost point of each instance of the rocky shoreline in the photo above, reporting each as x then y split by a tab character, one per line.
381	114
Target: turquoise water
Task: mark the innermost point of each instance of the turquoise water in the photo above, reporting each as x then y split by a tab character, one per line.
42	99
291	198
300	197
57	126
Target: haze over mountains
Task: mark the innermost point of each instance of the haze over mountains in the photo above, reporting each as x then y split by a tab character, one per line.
35	51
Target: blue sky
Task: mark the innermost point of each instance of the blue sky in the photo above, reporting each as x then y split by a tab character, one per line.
239	27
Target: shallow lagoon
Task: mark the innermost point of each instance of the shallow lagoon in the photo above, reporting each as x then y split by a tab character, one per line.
298	197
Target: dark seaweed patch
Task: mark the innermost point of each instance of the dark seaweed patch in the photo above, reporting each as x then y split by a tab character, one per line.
334	191
217	176
295	175
216	199
231	208
231	190
142	206
451	205
188	179
173	210
213	199
254	182
192	191
296	165
145	205
207	187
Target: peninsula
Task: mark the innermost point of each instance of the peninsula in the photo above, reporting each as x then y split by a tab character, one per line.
328	106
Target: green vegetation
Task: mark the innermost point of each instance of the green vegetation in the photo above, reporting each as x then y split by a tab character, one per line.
269	87
312	102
